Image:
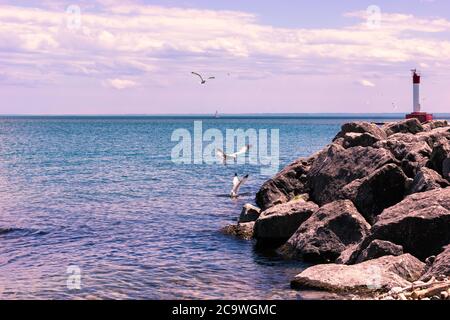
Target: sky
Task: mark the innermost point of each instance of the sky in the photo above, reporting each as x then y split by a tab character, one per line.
136	57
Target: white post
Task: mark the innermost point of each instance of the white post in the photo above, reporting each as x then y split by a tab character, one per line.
416	94
416	91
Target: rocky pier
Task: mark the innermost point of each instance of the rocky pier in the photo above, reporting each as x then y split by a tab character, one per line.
371	211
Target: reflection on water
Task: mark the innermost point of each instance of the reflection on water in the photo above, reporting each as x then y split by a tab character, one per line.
103	195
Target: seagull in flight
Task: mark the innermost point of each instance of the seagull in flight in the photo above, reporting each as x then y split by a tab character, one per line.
237	184
203	81
224	157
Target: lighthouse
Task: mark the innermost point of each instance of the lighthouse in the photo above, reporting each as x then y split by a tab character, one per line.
416	91
417	108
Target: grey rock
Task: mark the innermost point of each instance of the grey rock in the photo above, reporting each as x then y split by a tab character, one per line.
378	275
241	230
431	125
286	185
426	180
277	224
377	249
327	233
406	126
420	224
440	266
337	167
412	151
346	255
353	139
381	189
446	169
362	127
440	154
249	213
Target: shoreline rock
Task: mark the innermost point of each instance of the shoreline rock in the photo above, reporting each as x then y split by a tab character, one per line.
277	224
327	233
420	223
249	213
242	231
376	275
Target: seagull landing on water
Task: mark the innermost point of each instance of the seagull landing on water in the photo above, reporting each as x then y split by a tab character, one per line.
224	157
203	81
237	184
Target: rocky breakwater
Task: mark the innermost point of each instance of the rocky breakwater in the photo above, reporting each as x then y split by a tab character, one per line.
371	210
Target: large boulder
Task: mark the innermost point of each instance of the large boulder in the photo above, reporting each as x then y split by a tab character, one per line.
441	152
420	224
277	224
440	266
249	213
381	189
431	125
446	169
412	151
241	230
377	275
336	167
286	185
406	126
327	233
353	139
426	180
378	249
361	128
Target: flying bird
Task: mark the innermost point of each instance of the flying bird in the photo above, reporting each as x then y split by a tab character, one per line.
237	184
203	81
224	157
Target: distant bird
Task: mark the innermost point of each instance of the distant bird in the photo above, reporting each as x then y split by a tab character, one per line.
237	184
203	81
224	157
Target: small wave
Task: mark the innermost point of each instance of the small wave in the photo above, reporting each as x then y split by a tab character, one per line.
22	231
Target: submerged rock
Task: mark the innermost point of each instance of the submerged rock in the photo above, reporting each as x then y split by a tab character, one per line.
277	224
249	213
327	233
241	230
381	274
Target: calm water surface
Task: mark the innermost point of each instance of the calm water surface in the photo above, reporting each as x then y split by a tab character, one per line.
102	193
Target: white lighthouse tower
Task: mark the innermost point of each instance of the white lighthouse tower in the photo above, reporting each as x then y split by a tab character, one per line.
416	91
417	108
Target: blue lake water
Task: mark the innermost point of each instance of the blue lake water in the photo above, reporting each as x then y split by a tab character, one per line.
102	194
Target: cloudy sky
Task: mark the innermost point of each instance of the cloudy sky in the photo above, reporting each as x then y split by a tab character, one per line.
136	57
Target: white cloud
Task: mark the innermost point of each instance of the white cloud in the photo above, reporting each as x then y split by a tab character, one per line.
367	83
136	40
119	84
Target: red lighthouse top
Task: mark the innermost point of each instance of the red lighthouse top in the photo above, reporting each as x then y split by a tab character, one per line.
416	77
